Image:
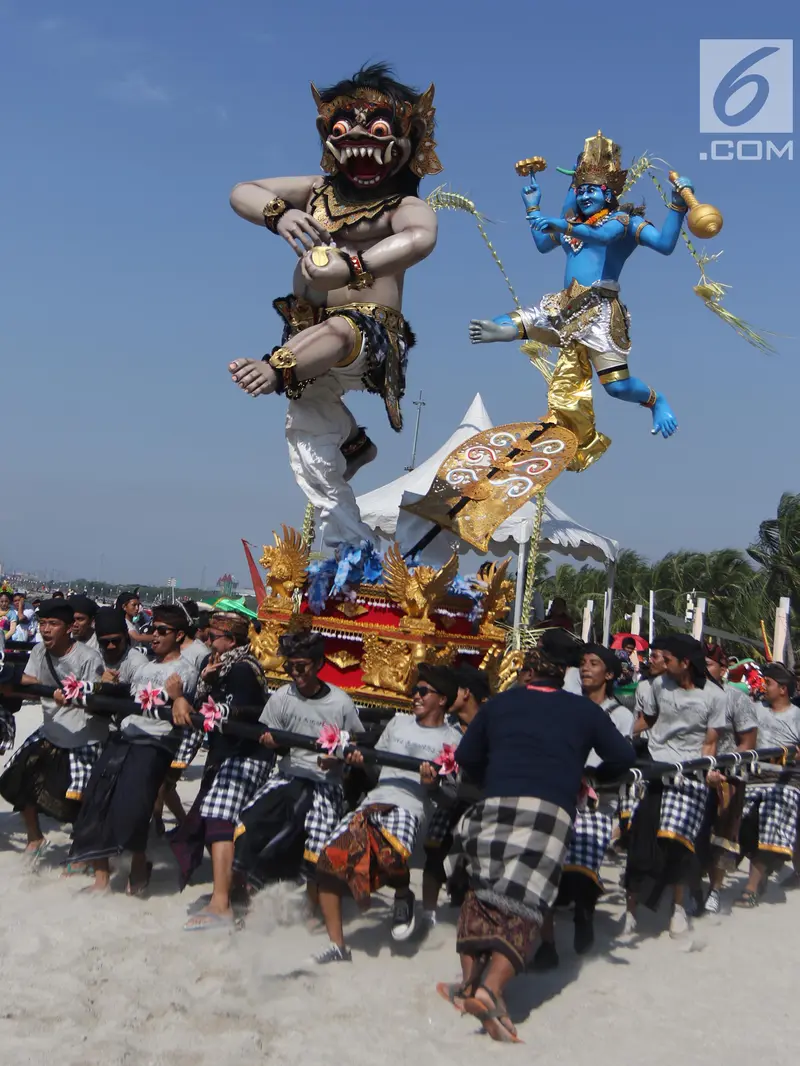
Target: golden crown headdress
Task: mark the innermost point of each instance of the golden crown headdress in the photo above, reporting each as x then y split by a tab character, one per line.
601	164
425	160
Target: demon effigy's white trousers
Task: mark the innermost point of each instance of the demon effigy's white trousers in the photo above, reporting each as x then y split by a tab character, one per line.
317	425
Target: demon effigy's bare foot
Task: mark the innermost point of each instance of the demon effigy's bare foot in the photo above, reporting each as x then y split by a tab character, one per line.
358	451
255	376
484	331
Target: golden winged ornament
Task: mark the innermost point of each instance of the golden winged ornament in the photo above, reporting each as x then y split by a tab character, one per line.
418	593
497	594
286	563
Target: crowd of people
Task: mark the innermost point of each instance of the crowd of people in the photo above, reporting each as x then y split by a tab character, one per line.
515	796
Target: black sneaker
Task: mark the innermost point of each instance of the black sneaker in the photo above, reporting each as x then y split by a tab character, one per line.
546	958
403	920
333	953
584	930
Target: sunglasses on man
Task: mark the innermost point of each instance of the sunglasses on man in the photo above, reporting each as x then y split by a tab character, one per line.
423	690
162	631
298	666
109	642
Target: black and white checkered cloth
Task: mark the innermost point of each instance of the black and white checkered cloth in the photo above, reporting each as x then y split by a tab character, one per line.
778	811
191	742
591	836
629	799
440	824
235	784
8	731
397	825
81	762
327	807
683	808
513	849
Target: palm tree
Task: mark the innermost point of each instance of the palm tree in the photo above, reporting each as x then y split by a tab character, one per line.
777	550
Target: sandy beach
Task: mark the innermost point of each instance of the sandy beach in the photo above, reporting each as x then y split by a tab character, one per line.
117	981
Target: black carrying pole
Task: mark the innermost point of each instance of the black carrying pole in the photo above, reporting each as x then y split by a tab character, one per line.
246	727
245	724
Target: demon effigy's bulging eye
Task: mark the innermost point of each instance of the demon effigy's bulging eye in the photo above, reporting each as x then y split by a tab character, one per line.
380	128
340	128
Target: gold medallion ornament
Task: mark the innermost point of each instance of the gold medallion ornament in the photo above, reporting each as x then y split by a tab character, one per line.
472	495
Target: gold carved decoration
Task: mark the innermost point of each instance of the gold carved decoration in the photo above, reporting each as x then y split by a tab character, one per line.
497	594
285	562
511	664
491	475
419	593
265	646
351	610
491	663
387	665
342	658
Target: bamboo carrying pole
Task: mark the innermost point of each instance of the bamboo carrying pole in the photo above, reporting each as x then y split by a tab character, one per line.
533	555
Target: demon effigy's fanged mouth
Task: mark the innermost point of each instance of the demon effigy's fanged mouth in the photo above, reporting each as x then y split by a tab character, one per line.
367	153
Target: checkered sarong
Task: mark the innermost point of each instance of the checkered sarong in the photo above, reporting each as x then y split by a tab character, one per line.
191	742
8	731
440	825
235	784
327	807
683	808
513	849
81	762
778	810
397	826
591	836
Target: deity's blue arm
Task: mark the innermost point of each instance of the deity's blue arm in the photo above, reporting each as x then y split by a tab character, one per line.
590	235
662	240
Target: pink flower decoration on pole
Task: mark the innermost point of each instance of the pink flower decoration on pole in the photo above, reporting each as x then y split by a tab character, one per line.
212	716
446	760
329	738
72	688
585	794
333	740
150	697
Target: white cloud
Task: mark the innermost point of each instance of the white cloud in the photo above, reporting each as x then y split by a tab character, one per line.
136	88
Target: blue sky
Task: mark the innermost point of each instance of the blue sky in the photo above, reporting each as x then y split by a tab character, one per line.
130	283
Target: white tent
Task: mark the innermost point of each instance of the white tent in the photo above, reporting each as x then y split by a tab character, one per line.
381	511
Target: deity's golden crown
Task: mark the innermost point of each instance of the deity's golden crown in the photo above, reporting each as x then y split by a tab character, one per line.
600	164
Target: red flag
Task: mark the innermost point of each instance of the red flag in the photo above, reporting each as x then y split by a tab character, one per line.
255	576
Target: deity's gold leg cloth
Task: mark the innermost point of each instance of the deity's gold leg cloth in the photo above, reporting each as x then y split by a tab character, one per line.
590	326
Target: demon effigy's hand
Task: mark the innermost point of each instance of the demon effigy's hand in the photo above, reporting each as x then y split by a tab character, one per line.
335	274
301	231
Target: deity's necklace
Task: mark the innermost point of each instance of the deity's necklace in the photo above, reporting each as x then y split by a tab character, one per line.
597	219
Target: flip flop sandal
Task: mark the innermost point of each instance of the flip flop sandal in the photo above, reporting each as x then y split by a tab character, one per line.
140	889
33	858
454	993
204	922
747	900
77	869
491	1018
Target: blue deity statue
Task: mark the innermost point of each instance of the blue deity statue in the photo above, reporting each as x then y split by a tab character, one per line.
587	320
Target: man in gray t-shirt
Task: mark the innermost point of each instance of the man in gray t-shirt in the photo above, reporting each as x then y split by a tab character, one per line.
685	713
304	799
373	845
772	808
49	771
